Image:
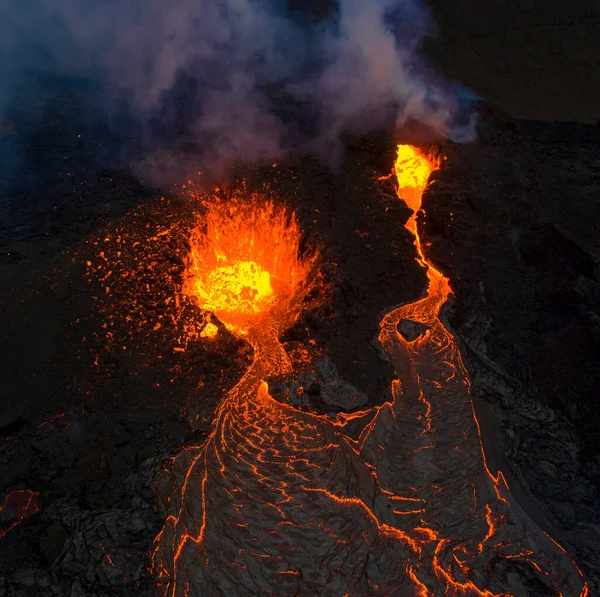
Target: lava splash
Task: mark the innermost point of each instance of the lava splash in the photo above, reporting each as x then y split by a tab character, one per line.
393	501
243	264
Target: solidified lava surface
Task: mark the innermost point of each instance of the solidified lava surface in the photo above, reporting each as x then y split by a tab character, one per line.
393	500
107	381
104	390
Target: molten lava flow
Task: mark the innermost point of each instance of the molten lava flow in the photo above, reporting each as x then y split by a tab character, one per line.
392	501
412	170
23	503
242	287
449	458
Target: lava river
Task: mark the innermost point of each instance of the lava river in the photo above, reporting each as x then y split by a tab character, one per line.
393	501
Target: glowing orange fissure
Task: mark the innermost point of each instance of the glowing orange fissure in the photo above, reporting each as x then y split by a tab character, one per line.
412	170
262	454
24	503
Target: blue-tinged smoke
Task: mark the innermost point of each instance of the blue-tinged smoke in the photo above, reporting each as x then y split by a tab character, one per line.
194	84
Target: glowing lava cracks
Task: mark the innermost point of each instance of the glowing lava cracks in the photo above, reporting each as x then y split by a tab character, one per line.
18	505
393	501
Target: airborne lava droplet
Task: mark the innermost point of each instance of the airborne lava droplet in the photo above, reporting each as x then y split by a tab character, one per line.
392	501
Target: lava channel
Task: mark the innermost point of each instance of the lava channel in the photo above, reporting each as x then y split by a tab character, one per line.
282	503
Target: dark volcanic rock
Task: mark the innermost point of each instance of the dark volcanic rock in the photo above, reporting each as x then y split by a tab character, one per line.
382	502
322	388
526	297
96	394
98	385
368	257
411	330
572	152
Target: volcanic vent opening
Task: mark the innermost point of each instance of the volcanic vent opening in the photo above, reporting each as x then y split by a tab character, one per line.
244	264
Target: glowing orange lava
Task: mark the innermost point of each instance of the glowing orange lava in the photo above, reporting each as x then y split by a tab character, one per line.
394	500
210	330
412	170
243	262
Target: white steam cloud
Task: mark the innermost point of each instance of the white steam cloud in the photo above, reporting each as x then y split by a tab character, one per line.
222	80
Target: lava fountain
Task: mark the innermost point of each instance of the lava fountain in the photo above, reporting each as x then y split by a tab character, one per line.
396	500
244	267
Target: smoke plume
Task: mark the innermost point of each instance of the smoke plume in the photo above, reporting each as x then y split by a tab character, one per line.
195	84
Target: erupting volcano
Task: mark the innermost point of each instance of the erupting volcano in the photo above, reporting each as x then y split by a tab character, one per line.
396	500
244	267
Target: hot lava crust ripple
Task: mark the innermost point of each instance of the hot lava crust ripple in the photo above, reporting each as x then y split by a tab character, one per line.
393	501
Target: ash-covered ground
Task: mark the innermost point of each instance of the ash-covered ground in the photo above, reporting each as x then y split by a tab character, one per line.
98	389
